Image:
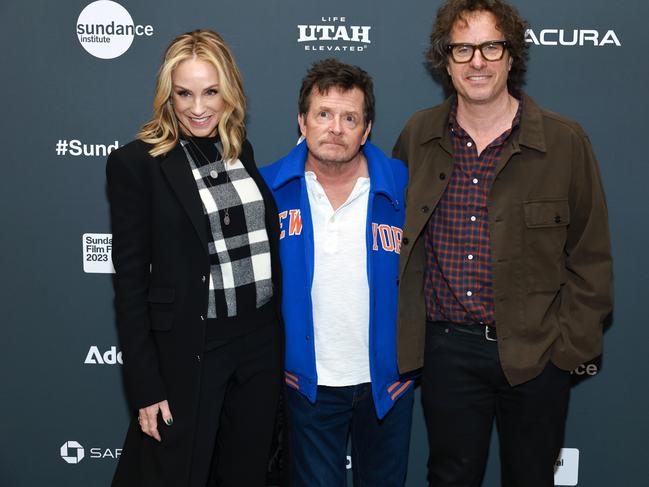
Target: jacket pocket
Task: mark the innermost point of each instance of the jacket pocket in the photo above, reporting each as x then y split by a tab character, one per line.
546	222
161	307
162	295
547	213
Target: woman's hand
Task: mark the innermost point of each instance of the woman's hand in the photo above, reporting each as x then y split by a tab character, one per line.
148	418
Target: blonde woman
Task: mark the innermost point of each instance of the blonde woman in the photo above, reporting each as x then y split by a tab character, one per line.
195	234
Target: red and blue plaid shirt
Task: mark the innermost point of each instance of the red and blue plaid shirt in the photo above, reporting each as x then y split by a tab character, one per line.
458	283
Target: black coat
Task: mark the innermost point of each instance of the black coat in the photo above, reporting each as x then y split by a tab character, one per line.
162	267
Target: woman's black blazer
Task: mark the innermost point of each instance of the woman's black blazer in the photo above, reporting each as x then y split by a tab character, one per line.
160	254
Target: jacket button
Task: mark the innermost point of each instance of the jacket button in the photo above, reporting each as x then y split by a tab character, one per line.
198	358
202	318
557	219
405	241
203	278
397	281
442	176
425	208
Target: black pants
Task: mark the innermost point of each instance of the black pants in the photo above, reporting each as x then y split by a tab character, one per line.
239	393
464	389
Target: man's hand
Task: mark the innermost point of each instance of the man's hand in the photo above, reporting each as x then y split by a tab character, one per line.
148	418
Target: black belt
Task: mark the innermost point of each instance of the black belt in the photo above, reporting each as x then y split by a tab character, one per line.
488	332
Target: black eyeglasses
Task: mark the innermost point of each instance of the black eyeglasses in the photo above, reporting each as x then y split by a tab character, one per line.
490	50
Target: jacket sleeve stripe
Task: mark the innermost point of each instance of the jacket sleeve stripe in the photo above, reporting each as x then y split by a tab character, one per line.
292	384
401	389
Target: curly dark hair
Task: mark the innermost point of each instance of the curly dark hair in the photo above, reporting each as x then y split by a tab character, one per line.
330	73
508	21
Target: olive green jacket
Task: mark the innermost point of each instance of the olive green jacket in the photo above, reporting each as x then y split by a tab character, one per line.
550	247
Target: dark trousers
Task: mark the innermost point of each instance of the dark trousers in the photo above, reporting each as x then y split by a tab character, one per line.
239	393
319	434
463	389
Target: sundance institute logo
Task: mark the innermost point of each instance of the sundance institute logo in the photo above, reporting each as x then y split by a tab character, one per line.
72	452
106	30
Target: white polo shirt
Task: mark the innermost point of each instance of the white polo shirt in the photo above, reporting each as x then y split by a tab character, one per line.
340	291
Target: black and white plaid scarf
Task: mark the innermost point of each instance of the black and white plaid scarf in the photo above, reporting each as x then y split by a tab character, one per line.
240	265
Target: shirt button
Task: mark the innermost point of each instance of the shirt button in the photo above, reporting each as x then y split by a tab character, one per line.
214	174
469	144
473	218
475	180
469	293
470	256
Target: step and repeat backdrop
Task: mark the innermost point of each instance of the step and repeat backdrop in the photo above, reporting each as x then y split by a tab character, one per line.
77	82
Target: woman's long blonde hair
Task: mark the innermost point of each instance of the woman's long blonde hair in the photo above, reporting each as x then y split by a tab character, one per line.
162	131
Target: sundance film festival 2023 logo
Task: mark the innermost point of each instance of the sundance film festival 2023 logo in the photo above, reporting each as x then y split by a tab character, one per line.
106	30
567	467
334	34
97	253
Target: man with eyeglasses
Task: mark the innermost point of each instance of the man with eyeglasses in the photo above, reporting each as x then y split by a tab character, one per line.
505	267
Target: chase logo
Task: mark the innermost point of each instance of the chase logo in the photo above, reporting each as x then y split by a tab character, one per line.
72	452
387	236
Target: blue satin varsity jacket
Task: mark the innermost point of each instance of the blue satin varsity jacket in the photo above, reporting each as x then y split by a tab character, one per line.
385	216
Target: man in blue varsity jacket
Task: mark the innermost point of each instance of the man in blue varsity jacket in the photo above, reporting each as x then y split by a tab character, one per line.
341	212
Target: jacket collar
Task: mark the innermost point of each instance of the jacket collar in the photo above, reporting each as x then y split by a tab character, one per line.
381	178
176	169
530	133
